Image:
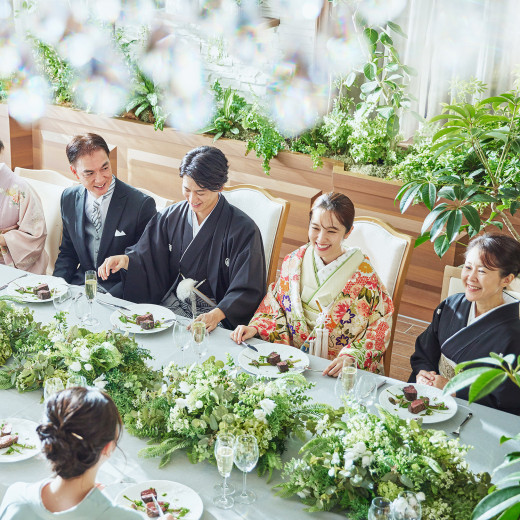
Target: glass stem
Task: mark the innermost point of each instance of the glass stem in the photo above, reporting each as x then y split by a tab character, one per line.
244	493
90	310
224	488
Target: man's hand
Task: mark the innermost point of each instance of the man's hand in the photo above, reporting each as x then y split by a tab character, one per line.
211	318
112	264
243	332
426	378
439	382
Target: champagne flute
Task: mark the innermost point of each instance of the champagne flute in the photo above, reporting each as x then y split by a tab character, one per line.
198	331
380	509
90	292
52	386
224	456
246	457
406	507
347	378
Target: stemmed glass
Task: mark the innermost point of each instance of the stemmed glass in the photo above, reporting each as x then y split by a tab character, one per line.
90	292
52	386
76	380
198	331
246	457
224	455
347	378
366	390
406	507
181	337
62	302
380	509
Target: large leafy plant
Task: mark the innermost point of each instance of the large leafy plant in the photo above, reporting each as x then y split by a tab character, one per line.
477	195
503	502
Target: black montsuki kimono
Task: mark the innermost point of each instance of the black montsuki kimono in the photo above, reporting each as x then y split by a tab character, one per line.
498	331
227	253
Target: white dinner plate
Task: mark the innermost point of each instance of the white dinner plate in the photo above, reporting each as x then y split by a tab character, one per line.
178	495
26	431
264	349
434	394
159	314
57	284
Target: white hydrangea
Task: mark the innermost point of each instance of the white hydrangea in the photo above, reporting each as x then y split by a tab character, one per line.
75	366
100	382
260	415
267	405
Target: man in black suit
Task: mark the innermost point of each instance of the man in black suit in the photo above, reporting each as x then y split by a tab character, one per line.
101	217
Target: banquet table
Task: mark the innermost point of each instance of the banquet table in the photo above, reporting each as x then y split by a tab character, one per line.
483	431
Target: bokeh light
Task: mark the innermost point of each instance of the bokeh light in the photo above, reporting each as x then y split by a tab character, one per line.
27	102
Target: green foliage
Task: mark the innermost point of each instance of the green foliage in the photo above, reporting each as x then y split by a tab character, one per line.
487	134
489	374
57	71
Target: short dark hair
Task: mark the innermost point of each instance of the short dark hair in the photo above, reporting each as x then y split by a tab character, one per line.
85	144
207	166
1	145
497	251
79	423
339	204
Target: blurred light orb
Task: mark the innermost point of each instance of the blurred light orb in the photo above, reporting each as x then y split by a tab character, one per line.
5	9
105	10
311	9
78	49
10	59
137	13
189	114
47	21
101	97
27	103
298	9
378	12
343	55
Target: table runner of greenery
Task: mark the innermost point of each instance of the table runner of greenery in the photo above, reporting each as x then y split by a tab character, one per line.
342	467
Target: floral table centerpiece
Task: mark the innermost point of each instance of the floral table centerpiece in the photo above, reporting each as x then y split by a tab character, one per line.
200	401
37	352
349	463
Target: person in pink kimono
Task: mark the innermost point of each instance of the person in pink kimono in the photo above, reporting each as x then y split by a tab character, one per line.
22	224
327	289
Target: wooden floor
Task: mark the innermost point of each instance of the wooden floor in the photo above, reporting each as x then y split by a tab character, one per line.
406	331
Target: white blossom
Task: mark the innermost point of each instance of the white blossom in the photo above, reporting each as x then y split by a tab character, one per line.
88	367
260	415
199	404
100	382
75	366
181	403
335	458
267	405
185	387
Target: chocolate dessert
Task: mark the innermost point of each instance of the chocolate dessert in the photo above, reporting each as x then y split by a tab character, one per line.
144	317
283	366
44	294
410	393
151	510
8	440
274	358
417	406
41	287
147	324
147	494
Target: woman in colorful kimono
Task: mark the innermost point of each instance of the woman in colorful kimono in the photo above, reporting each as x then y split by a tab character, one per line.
470	325
327	285
22	224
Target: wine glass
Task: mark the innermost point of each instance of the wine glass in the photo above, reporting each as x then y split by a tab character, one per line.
198	332
62	301
52	386
246	457
380	509
406	507
90	293
181	336
366	390
224	455
347	378
76	380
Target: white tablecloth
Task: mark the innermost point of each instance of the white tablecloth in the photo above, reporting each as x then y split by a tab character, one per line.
483	432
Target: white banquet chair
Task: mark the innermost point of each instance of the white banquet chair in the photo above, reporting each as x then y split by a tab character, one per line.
49	176
160	202
390	252
268	213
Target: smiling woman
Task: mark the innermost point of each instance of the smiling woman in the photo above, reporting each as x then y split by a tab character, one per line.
470	325
327	290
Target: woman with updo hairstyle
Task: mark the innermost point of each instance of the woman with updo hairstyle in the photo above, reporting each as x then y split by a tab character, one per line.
470	325
329	294
79	433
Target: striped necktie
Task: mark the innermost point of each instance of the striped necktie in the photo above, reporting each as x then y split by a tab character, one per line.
96	209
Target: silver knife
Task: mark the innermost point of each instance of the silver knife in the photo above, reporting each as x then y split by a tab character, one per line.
113	305
8	283
249	346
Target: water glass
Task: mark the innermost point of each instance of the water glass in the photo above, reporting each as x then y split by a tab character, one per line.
76	380
406	507
198	332
380	509
347	378
246	457
63	299
90	293
52	386
366	389
224	455
181	336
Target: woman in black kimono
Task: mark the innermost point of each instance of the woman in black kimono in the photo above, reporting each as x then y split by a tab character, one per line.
470	325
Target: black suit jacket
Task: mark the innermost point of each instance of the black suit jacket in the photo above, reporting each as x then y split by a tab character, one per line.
129	212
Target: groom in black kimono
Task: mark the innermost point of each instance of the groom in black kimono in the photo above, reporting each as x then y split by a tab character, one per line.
203	238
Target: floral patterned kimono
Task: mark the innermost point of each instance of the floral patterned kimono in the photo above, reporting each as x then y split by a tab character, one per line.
22	223
357	310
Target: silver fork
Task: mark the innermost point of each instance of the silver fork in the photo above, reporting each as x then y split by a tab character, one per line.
17	278
457	431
